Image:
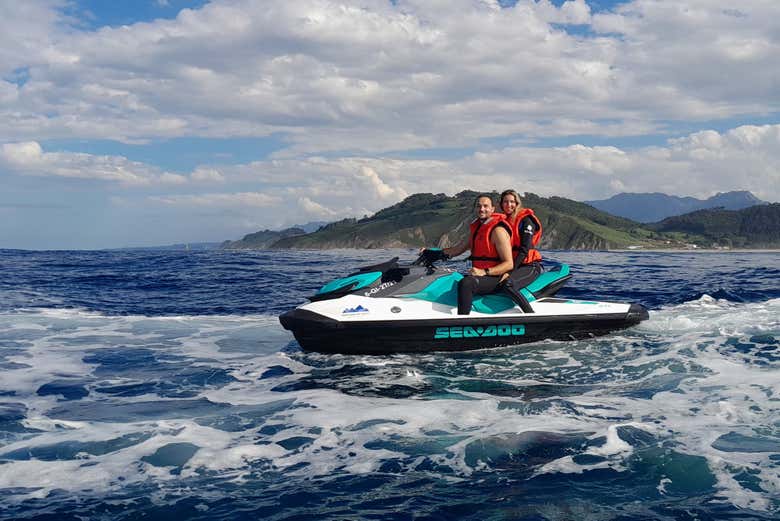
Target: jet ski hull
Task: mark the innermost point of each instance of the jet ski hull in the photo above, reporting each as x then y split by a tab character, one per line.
320	333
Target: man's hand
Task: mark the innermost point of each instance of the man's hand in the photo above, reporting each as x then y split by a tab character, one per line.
477	272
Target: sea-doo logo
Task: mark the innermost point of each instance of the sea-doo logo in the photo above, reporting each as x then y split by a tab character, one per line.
356	309
479	331
379	288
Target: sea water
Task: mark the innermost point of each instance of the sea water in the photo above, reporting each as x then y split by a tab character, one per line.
160	385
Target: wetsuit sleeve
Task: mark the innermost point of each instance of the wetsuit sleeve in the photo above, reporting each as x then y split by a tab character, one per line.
527	230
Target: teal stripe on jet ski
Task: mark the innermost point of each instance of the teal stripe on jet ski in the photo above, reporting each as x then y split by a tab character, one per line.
444	290
528	295
362	279
492	303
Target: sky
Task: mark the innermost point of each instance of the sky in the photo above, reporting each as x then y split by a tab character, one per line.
156	122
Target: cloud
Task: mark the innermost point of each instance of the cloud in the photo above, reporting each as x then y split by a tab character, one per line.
22	155
376	187
29	158
219	200
314	209
29	32
207	175
372	76
700	164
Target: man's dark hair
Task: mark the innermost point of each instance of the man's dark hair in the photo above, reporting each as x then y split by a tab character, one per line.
487	196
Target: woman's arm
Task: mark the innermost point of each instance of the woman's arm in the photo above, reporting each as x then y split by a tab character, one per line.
527	229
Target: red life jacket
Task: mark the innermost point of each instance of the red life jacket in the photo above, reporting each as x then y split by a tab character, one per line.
483	252
517	235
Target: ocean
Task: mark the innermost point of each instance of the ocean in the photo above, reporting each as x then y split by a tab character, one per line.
160	385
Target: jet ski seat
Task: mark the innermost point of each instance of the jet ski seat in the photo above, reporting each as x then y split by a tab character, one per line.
444	290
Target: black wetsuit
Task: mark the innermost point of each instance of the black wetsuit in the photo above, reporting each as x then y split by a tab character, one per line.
470	286
524	274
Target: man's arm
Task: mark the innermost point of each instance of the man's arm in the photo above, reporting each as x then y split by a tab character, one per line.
454	251
501	240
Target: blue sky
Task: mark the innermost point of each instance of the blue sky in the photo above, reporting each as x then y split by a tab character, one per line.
168	121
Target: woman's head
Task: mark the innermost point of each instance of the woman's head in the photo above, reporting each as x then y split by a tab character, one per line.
510	203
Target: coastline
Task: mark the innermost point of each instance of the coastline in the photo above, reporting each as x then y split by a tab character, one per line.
690	250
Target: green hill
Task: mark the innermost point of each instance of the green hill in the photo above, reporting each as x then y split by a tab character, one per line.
261	240
441	220
754	227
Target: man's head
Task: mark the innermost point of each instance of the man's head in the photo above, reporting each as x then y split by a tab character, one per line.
484	206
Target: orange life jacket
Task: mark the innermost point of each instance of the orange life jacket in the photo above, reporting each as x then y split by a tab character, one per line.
517	236
483	252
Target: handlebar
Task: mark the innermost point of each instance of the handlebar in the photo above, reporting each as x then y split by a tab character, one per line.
429	256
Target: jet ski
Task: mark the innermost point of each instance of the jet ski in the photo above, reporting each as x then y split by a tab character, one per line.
395	308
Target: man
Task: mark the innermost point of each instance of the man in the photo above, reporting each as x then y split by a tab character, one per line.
491	253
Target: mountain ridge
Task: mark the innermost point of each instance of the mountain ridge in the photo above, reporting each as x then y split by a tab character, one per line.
428	219
650	207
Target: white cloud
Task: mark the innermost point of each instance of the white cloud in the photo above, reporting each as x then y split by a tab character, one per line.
570	12
376	187
29	158
207	175
365	75
29	32
219	200
23	155
700	164
316	210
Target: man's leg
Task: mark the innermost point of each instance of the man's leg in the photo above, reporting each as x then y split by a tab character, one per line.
470	286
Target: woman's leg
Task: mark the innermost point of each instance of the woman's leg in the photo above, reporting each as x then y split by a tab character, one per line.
525	274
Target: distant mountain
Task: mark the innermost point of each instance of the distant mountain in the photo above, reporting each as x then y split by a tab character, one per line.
262	239
754	227
265	238
653	207
311	226
190	246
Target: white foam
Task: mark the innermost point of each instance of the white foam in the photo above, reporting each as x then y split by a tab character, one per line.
721	390
614	444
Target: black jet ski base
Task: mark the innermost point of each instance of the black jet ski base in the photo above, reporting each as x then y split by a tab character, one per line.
315	332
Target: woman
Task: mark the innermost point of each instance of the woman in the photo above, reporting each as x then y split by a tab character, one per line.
526	233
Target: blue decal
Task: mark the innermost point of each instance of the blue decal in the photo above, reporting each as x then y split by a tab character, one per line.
357	309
